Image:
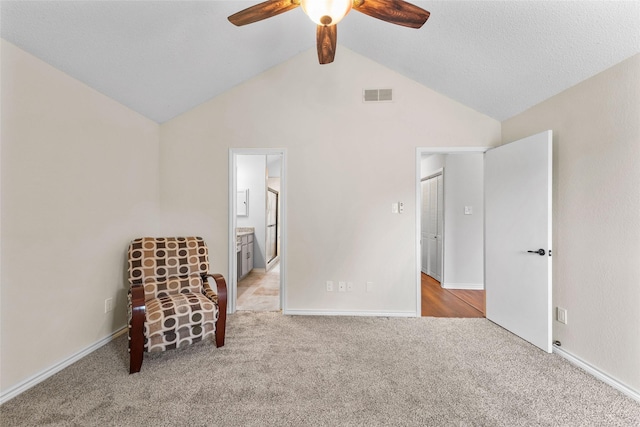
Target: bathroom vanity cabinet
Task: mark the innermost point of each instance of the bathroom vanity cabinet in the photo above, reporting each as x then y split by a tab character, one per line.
244	250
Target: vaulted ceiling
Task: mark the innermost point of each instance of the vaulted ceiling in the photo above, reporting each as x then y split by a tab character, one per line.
162	58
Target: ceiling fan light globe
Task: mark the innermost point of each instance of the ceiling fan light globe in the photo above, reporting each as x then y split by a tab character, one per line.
326	12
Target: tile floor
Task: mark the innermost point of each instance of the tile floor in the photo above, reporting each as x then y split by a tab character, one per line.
260	291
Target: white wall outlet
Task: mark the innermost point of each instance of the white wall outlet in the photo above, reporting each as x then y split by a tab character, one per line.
329	286
400	207
342	286
349	286
561	315
394	208
468	210
369	287
108	305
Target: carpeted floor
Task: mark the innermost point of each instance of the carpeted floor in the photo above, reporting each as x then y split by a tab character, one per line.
329	371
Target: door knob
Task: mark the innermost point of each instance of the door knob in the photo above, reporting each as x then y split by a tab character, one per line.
539	252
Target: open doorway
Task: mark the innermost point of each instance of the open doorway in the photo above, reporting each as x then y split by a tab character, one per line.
256	228
451	233
517	234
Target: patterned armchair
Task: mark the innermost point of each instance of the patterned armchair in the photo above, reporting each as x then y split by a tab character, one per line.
171	303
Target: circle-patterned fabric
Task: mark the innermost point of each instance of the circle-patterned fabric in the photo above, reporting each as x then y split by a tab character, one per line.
173	321
179	309
168	265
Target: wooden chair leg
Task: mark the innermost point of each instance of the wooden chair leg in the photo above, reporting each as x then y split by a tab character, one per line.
220	329
135	359
221	324
136	330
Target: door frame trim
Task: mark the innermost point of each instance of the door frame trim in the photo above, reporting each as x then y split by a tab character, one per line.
420	151
232	284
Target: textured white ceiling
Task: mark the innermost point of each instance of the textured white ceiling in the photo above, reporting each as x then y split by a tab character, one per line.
162	58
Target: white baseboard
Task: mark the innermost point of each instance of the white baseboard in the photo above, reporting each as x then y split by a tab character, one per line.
350	313
623	388
43	375
469	286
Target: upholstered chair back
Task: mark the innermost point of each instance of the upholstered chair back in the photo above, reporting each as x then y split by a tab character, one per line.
168	265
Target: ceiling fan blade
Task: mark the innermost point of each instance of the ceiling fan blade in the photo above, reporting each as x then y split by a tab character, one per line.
326	38
262	11
397	12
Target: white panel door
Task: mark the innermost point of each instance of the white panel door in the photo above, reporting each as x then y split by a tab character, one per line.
432	214
424	235
517	224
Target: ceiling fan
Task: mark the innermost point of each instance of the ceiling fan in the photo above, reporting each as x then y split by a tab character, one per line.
327	13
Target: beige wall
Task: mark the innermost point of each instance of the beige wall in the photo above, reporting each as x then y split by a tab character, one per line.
596	126
79	178
347	162
81	175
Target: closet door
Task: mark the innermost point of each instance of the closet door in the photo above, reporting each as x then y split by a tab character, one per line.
424	234
433	225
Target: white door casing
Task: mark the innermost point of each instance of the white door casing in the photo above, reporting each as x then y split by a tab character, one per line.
518	180
432	227
439	267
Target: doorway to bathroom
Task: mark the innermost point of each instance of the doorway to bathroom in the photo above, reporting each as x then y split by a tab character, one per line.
257	224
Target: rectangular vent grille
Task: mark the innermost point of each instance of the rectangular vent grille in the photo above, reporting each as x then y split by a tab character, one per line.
378	95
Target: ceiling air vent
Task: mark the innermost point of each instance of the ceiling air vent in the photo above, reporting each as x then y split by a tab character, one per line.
378	95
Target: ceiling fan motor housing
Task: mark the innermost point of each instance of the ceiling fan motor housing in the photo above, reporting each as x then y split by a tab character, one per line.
326	12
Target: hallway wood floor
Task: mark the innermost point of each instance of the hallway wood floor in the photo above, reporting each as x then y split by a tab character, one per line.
440	302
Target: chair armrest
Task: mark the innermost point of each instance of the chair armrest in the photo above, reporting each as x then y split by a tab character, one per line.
221	291
137	297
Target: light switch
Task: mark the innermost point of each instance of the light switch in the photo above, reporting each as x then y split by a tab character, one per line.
561	315
394	208
468	210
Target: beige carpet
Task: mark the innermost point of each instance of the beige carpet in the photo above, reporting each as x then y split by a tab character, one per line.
329	371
